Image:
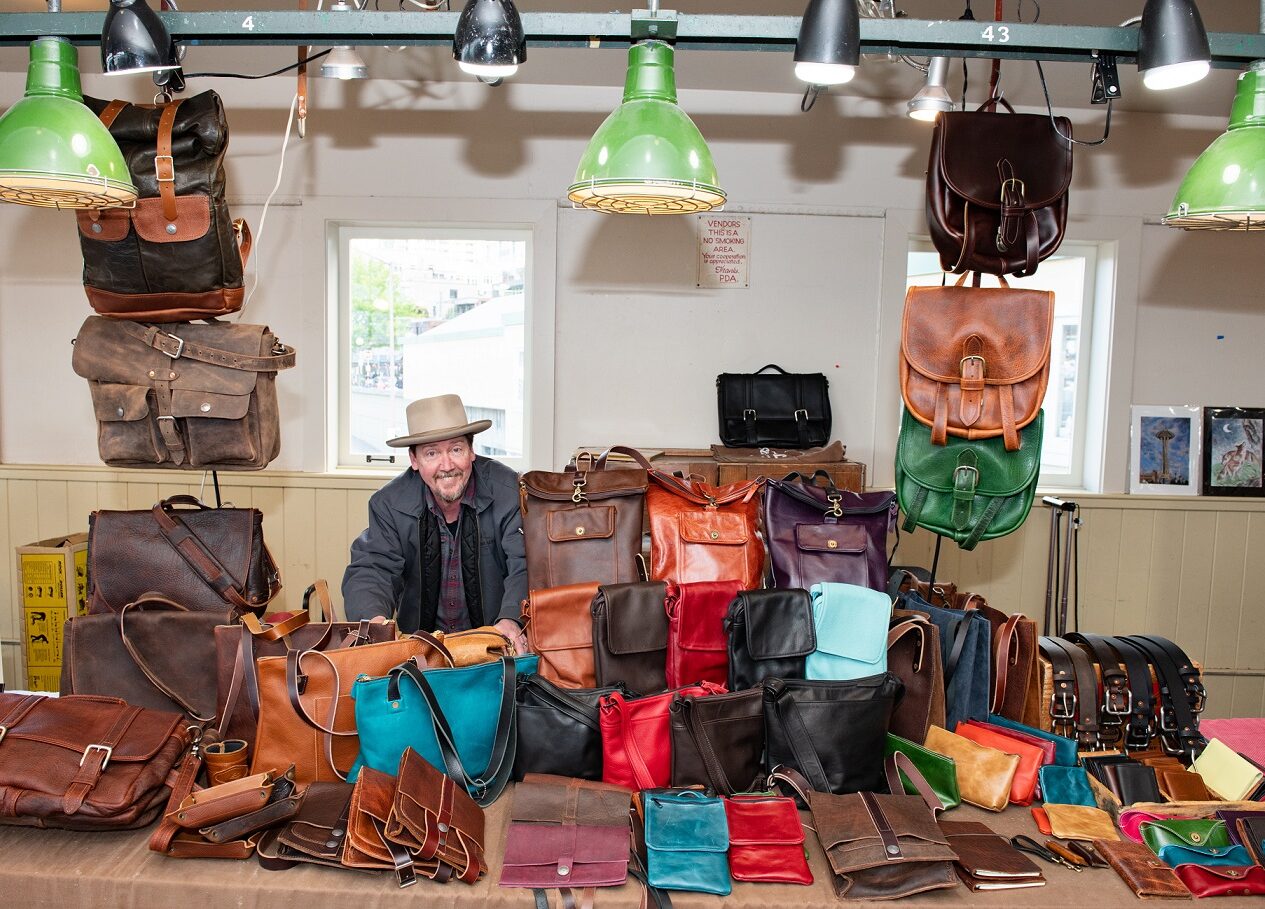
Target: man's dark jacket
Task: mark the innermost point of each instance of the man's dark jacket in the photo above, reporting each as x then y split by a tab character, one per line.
391	574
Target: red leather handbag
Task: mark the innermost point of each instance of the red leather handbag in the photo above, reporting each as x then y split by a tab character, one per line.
637	739
1204	880
1024	786
766	841
697	645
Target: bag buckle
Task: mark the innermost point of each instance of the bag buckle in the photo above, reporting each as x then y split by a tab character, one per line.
748	411
105	762
179	346
983	364
797	413
170	169
961	467
1198	696
835	510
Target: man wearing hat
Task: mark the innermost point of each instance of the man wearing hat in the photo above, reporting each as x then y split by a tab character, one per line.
444	546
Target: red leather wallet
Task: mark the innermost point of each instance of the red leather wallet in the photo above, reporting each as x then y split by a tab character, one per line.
1204	880
1024	786
766	841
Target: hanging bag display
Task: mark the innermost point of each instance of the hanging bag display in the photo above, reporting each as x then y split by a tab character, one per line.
778	409
851	626
997	187
177	255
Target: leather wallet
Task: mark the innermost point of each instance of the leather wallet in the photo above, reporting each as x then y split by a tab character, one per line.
1177	784
1232	817
1203	881
1227	773
1023	786
208	807
985	775
1065	750
1096	765
986	861
1132	819
1049	751
766	840
1196	832
1066	786
315	834
1251	835
1141	869
1078	822
1132	783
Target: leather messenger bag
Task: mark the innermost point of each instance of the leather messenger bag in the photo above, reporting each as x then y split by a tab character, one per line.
778	408
975	360
183	396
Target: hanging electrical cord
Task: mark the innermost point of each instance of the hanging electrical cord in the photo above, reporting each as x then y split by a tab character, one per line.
263	218
1049	109
276	72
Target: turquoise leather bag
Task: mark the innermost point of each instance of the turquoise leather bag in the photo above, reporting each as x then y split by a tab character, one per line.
1066	786
461	721
851	624
1064	748
687	841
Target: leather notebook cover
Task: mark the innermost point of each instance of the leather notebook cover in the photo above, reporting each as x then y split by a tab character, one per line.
1138	866
985	857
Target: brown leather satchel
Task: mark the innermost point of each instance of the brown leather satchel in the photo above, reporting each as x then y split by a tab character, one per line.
997	187
183	396
914	657
630	635
975	360
154	653
208	559
582	525
559	625
85	763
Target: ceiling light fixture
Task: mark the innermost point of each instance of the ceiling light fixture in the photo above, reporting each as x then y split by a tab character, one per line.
343	62
828	49
1173	45
933	97
135	40
489	41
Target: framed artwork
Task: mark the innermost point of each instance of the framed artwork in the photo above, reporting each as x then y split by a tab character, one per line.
1233	451
1165	447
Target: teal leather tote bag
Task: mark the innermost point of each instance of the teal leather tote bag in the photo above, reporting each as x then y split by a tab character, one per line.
461	721
687	841
851	625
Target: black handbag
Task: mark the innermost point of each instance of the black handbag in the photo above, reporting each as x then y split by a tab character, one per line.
832	732
718	741
770	634
783	409
558	729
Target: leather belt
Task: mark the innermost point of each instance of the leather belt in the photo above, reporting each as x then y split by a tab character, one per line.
1072	666
1182	695
1142	716
1117	698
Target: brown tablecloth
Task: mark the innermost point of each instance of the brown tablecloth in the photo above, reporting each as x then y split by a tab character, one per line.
67	870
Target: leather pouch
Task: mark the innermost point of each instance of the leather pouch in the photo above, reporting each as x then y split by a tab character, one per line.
559	730
1180	785
1225	772
281	807
985	775
766	840
1064	748
1196	833
636	738
471	647
1204	881
208	807
687	841
914	657
1046	746
1213	856
1079	822
1132	819
939	771
769	633
630	635
851	625
1132	783
718	741
1024	785
1066	786
435	819
986	860
696	633
1138	866
317	832
559	625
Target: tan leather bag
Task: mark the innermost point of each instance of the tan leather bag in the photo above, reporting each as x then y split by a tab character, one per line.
559	627
975	360
467	648
985	775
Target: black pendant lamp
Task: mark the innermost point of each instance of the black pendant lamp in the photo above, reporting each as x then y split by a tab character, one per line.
135	40
1172	45
489	42
828	49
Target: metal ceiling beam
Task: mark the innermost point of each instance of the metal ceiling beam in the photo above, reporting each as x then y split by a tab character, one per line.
707	32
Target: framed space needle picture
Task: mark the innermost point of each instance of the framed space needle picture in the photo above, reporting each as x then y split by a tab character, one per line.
1233	451
1166	450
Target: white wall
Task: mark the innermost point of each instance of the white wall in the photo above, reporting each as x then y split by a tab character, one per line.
638	345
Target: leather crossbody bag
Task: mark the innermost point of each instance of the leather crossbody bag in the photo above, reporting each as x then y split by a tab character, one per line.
769	633
718	741
559	730
630	635
851	624
559	626
778	408
766	840
636	739
696	633
997	187
913	656
687	841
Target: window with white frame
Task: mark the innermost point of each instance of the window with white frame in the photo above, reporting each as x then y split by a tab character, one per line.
1073	275
425	311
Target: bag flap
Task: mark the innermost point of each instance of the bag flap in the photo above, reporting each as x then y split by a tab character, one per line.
543	798
779	623
560	486
843	820
1000	472
845	539
189	403
762	820
193	219
545	844
851	503
594	522
635	618
74	722
1196	833
1010	328
715	528
200	127
559	618
109	225
701	606
972	144
687	821
773	394
119	403
851	621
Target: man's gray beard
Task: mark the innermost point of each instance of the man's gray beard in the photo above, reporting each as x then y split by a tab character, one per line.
455	497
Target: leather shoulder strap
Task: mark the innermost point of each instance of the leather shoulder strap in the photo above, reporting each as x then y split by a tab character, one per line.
787	715
164	163
176	347
111	112
150	599
195	554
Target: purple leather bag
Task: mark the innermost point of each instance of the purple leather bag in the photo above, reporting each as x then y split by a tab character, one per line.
819	533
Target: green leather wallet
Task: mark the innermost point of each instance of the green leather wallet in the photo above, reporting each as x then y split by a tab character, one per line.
940	772
1198	833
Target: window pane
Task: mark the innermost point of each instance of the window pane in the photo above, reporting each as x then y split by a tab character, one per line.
431	315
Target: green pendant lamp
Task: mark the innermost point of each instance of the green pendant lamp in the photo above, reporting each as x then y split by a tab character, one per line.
647	157
1225	187
54	152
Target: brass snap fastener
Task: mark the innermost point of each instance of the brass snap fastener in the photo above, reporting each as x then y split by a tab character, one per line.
832	544
579	531
715	534
1196	838
395	705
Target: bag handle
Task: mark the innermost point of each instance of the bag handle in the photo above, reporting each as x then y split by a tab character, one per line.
175	347
156	599
904	627
195	554
633	453
1007	641
990	106
771	366
975	279
897	763
559	699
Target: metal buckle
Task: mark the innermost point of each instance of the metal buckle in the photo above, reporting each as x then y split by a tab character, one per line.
1012	182
105	762
983	364
801	411
171	169
179	347
1066	717
1172	743
974	470
1168	719
1198	695
748	411
1128	704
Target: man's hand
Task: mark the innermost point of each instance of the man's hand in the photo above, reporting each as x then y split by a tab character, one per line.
514	632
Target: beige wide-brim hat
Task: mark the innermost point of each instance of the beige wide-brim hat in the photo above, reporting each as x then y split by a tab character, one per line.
435	419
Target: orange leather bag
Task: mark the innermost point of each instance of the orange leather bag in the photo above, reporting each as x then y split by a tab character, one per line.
1024	786
975	360
559	625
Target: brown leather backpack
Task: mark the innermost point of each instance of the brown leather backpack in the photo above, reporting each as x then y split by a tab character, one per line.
559	626
997	187
975	360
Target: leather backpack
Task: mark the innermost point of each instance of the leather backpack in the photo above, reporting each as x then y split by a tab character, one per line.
559	626
997	188
975	361
177	255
